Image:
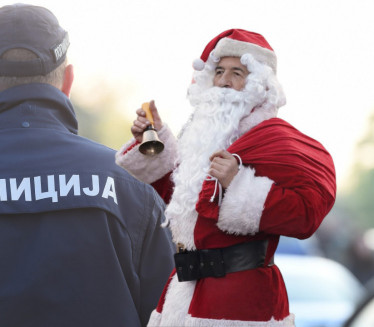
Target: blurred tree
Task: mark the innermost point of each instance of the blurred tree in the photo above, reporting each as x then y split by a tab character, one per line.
102	120
341	233
359	198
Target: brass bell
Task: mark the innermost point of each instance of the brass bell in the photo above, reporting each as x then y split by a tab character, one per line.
151	144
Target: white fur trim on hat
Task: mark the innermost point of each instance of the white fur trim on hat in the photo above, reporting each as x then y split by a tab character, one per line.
243	203
227	47
199	322
149	169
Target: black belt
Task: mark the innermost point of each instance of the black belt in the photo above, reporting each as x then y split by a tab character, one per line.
193	265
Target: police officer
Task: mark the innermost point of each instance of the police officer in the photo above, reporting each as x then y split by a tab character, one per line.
80	239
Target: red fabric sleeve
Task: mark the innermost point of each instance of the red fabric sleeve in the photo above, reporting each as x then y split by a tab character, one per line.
164	187
295	207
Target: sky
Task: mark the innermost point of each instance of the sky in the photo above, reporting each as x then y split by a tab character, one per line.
144	49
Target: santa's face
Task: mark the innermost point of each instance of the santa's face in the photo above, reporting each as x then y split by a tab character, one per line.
230	73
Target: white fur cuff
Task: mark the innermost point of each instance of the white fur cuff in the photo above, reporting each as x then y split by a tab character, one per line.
149	169
243	203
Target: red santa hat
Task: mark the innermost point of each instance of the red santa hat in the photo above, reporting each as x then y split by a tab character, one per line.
235	43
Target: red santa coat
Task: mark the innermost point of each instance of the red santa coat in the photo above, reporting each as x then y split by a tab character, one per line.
285	187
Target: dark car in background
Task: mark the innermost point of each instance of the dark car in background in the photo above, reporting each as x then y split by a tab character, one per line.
364	313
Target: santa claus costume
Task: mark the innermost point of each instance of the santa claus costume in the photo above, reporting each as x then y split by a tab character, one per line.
285	186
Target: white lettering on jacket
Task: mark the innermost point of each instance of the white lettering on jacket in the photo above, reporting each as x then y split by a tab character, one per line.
31	189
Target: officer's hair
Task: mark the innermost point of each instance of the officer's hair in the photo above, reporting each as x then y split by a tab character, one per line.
54	78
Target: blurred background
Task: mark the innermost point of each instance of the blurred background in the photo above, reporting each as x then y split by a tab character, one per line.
129	52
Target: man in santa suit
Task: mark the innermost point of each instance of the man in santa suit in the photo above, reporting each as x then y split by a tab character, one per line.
234	180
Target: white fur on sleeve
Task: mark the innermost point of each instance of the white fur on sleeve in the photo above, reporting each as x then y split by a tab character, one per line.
243	203
149	169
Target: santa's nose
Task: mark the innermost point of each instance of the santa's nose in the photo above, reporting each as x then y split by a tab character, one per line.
224	81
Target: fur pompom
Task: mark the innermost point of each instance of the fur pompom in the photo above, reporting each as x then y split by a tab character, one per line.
198	64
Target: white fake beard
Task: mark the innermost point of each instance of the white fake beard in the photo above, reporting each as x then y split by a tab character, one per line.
214	125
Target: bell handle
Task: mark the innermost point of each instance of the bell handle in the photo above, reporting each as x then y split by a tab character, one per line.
148	114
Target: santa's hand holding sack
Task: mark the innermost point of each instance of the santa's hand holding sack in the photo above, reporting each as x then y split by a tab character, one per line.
235	180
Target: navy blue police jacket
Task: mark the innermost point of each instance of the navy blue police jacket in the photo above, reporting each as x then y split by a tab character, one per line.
80	239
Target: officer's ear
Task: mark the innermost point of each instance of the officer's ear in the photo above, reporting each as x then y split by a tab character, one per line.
68	80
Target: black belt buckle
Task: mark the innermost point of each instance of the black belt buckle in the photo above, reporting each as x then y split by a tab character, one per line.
187	265
211	263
